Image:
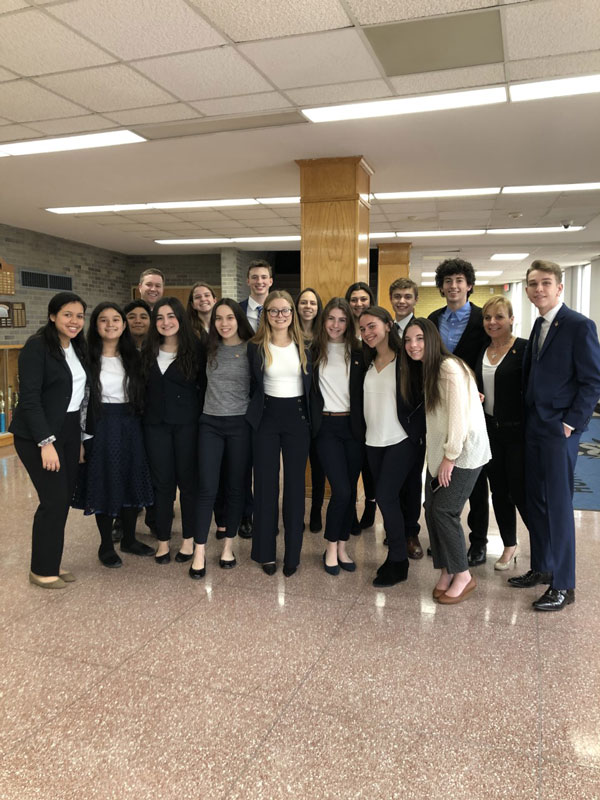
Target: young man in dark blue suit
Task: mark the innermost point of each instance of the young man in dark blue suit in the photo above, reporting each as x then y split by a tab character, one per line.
260	280
561	370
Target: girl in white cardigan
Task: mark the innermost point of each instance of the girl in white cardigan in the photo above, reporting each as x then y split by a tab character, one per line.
457	449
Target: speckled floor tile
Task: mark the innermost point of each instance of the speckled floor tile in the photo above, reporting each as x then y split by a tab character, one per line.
562	780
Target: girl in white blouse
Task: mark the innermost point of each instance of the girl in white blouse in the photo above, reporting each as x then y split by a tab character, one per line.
457	449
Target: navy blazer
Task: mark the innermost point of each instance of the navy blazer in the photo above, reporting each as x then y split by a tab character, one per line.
566	380
508	385
257	385
473	340
356	378
412	418
173	398
45	388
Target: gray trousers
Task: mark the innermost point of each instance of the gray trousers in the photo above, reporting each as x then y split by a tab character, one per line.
442	515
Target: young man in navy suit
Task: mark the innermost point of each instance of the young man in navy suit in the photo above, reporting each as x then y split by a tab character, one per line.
561	371
260	280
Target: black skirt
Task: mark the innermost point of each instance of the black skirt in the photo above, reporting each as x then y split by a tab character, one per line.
115	473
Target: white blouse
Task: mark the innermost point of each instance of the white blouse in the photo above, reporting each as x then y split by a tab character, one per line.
381	410
112	380
488	376
333	379
283	377
164	360
79	378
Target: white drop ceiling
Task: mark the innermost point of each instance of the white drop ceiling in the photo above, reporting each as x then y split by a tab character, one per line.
76	66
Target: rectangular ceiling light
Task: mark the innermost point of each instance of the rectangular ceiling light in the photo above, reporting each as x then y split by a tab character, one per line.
278	201
407	105
248	201
413	234
99	209
64	143
508	256
435	193
194	241
233	240
382	235
561	87
556	229
428	274
481	283
552	187
427	283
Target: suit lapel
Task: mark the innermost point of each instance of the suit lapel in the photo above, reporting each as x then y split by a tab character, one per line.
553	330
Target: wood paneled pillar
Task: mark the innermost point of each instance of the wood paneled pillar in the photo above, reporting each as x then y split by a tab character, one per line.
394	260
335	223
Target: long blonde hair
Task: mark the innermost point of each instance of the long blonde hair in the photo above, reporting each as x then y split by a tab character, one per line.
262	337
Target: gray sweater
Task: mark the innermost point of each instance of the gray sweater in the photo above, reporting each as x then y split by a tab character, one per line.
228	389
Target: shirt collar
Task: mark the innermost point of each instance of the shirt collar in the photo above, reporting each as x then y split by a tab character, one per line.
461	313
253	304
403	323
550	315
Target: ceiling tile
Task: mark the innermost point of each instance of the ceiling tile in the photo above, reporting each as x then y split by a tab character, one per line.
23	101
373	11
89	122
199	216
166	113
554	66
313	60
270	18
50	46
107	88
462	216
13	133
265	101
12	5
139	28
340	92
444	79
550	28
208	73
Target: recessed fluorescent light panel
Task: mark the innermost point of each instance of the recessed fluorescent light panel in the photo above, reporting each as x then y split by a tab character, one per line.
382	235
557	229
248	201
435	193
508	256
427	283
278	201
235	240
428	274
415	234
552	187
407	105
561	87
85	142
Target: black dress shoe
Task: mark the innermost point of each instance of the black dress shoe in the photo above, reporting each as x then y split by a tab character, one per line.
137	548
181	558
164	559
554	599
368	517
227	564
476	555
117	529
315	524
330	570
530	578
245	529
391	573
270	569
110	559
197	574
289	571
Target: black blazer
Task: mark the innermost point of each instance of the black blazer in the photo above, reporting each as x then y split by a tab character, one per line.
411	418
45	388
508	385
473	340
257	385
171	397
357	420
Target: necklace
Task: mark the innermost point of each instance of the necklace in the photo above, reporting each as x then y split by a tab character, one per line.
495	351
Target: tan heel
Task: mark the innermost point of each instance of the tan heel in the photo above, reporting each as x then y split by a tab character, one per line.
504	565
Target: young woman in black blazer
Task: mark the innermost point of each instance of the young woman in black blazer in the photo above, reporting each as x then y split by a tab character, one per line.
114	480
395	433
172	365
337	424
499	372
47	429
279	415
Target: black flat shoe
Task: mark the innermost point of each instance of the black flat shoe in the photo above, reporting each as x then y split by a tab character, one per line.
197	574
391	573
368	517
110	559
137	548
289	571
334	570
227	564
348	566
554	599
476	556
220	534
245	529
164	559
529	579
181	558
269	569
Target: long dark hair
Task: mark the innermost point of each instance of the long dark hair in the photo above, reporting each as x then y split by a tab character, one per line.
314	323
394	340
321	340
187	342
360	286
49	333
245	330
192	313
418	377
126	349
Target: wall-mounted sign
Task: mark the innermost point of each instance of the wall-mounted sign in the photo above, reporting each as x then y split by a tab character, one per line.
12	315
7	278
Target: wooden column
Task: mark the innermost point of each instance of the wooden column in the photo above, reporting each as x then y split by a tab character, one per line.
394	260
335	223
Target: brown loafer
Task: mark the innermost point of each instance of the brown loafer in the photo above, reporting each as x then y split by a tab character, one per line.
413	546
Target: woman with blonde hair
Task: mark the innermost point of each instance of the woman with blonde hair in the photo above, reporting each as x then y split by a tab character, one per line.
280	374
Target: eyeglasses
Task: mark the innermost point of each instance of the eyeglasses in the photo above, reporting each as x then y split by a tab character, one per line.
275	312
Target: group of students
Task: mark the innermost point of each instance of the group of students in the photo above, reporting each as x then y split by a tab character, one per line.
167	398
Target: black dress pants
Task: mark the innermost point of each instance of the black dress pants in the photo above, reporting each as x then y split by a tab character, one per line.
283	431
410	496
173	457
55	490
479	511
317	474
506	474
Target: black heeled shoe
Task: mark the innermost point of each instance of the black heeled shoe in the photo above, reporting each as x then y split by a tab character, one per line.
368	517
391	572
289	571
164	559
110	559
270	569
197	574
227	564
335	570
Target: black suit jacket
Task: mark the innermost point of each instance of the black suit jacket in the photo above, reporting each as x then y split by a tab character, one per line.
508	385
257	384
357	420
473	340
173	398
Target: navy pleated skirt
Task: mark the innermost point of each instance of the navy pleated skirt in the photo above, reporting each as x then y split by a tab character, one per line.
115	473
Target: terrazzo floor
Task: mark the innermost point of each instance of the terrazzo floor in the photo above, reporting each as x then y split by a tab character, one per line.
140	683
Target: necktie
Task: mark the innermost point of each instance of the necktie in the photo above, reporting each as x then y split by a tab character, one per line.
537	328
258	313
